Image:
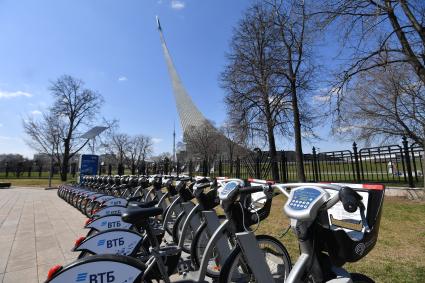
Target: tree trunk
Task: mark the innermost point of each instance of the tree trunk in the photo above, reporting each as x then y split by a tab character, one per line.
404	42
133	168
297	132
273	153
423	165
65	162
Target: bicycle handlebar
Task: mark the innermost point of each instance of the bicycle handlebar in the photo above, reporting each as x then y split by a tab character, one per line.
250	189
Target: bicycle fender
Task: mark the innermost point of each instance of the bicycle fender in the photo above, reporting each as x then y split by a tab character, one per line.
116	201
110	268
107	222
115	209
114	241
104	198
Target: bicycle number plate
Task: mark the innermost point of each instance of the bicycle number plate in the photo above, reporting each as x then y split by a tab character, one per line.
110	210
116	201
98	271
108	222
121	242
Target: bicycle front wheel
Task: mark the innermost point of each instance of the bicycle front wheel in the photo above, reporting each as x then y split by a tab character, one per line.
236	269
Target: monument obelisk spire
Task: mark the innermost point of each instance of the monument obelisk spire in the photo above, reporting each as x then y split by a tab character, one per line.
188	112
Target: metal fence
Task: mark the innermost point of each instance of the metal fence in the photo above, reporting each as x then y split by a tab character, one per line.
29	170
390	164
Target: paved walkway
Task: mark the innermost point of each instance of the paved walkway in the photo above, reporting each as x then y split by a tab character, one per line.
37	231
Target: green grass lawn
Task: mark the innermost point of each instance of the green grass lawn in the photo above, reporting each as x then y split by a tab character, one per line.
22	182
399	255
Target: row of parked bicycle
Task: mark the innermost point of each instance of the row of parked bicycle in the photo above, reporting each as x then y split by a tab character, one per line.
184	229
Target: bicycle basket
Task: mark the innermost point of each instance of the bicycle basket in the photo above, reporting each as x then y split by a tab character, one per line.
341	233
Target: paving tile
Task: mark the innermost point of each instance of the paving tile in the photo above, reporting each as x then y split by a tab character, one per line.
20	262
28	275
42	271
37	231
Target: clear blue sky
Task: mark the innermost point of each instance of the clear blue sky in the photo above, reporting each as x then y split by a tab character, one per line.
114	46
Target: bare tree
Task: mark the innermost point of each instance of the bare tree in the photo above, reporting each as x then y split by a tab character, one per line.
294	46
203	141
376	33
386	105
234	143
139	148
257	98
74	109
118	145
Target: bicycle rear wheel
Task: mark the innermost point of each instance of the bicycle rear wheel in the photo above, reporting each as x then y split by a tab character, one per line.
235	269
360	278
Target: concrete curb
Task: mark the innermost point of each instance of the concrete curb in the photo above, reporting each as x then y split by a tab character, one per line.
51	188
410	193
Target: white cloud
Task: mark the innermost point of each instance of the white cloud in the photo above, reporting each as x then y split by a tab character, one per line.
344	129
8	94
6	138
122	79
36	112
177	4
322	98
157	140
325	94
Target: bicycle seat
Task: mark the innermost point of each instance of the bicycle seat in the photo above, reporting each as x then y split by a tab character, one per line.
142	204
138	216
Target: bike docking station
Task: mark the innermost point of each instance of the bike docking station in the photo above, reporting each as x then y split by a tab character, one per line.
126	234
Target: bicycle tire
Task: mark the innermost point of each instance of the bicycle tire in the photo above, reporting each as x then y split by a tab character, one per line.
360	278
169	226
197	249
235	259
178	225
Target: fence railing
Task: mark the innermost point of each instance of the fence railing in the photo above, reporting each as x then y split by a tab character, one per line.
391	164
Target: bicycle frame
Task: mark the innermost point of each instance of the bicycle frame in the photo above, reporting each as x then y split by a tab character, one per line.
216	241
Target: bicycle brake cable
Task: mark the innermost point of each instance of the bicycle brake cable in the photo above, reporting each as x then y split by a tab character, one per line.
285	232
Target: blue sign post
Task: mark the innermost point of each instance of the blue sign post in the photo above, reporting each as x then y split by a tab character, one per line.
89	164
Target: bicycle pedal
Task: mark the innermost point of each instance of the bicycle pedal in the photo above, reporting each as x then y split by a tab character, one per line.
183	268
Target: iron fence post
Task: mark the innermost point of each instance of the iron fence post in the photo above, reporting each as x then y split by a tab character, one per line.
356	162
283	175
190	168
238	168
408	165
205	168
257	166
220	168
315	171
120	169
177	168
